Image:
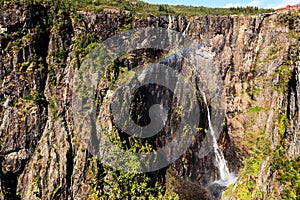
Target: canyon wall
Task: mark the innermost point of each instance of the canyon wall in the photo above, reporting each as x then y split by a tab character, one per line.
41	157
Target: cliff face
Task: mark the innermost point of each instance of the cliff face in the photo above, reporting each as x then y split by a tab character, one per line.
42	158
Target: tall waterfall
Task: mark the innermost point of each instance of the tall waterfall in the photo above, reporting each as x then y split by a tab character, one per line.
226	178
186	29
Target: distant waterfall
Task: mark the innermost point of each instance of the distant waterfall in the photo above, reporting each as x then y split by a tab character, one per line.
226	178
220	160
170	22
186	29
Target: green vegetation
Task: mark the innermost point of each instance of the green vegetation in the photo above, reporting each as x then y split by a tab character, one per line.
287	173
136	8
36	98
285	75
54	110
253	91
246	189
36	182
288	19
256	109
124	185
282	68
109	183
56	189
60	55
287	170
84	44
272	51
282	125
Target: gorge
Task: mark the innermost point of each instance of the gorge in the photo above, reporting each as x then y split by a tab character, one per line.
256	153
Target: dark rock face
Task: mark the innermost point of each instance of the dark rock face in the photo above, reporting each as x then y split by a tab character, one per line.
23	119
41	158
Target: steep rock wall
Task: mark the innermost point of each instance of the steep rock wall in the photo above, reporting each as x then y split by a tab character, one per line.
42	158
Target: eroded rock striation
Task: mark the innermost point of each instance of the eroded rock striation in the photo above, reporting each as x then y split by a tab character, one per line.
42	158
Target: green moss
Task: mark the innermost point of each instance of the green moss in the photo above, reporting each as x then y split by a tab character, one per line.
227	192
36	180
281	69
272	51
254	91
285	75
282	125
54	110
179	110
56	189
2	98
256	109
35	97
32	97
60	55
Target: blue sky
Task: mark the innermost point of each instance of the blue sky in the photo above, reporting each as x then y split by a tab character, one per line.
228	3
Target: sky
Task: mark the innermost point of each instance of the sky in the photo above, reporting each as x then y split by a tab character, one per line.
228	3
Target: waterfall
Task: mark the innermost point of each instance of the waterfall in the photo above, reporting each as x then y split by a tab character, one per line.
186	29
170	22
226	178
220	160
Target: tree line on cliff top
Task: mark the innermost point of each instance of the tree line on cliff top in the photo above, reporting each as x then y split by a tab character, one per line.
136	8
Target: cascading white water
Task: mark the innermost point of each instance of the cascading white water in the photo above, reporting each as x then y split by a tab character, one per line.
170	22
220	160
226	178
186	29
